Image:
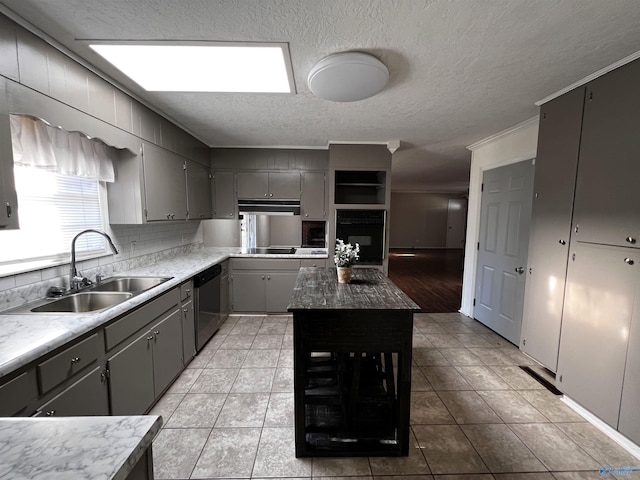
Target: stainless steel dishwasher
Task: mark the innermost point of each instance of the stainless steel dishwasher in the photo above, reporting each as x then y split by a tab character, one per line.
206	297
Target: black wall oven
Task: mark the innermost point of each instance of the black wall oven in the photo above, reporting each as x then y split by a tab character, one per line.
365	227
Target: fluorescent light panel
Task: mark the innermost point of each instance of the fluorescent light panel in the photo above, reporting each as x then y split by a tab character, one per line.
202	68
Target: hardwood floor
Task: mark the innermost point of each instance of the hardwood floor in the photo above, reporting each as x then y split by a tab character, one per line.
432	278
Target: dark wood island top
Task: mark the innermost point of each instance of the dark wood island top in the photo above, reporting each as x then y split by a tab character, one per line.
352	364
318	289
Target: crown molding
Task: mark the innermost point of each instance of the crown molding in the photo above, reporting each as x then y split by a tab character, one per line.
503	133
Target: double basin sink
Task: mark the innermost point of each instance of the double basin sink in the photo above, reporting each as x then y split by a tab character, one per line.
107	294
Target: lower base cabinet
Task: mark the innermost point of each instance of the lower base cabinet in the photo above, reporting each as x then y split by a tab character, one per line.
263	285
88	396
141	372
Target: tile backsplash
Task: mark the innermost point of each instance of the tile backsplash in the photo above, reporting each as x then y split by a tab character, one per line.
138	245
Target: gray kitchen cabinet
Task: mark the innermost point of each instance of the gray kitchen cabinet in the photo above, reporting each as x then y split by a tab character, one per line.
629	422
279	290
272	185
606	208
600	293
131	377
87	396
550	230
263	285
164	184
8	49
313	200
225	301
17	393
224	199
167	351
8	195
188	323
249	292
198	191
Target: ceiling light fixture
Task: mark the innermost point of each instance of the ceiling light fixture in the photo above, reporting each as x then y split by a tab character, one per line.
198	67
348	77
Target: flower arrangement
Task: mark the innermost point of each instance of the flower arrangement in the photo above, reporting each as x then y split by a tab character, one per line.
346	254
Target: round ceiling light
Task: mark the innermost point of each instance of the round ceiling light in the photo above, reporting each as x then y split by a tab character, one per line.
347	77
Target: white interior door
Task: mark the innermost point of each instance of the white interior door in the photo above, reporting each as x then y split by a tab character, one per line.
456	222
505	214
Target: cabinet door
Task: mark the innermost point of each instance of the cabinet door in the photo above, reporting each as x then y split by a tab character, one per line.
601	285
164	183
131	378
253	184
88	396
555	175
188	332
167	351
313	201
249	292
279	290
629	422
284	185
8	195
224	296
223	194
607	209
198	191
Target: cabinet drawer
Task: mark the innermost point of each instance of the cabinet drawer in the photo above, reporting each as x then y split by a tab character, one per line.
130	324
54	371
265	264
186	290
88	396
312	262
17	393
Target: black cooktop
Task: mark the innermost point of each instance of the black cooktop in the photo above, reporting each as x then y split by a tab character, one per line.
271	251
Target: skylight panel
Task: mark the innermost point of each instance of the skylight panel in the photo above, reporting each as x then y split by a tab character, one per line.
262	68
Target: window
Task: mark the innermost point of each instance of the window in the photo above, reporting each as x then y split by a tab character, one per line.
53	208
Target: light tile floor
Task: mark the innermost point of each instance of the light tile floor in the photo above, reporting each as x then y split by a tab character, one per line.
475	414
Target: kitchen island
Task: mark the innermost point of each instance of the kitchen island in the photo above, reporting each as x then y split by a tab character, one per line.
352	364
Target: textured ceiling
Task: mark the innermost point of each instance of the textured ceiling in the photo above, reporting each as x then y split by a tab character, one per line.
460	70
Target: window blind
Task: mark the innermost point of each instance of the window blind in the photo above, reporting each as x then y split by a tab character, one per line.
53	208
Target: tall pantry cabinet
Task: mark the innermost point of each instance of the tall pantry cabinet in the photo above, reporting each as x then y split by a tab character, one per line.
590	316
598	363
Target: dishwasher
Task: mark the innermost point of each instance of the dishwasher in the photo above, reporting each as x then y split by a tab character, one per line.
207	311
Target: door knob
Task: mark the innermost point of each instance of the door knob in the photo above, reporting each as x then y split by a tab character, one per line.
520	270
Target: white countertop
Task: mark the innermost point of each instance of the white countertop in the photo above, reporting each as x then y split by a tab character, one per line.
96	448
24	338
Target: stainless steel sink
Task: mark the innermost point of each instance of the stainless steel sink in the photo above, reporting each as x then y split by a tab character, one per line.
129	284
83	302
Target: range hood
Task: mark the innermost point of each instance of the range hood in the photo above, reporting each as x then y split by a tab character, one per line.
269	207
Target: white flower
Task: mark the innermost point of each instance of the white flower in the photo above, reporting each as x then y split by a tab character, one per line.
346	254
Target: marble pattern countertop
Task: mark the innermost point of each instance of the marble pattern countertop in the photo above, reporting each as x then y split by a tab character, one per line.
96	448
26	337
318	289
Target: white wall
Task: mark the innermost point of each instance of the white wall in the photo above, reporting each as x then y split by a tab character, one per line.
419	220
510	146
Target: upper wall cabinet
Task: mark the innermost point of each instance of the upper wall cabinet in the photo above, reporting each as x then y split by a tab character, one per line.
198	191
149	187
607	210
8	196
313	201
224	200
272	185
555	177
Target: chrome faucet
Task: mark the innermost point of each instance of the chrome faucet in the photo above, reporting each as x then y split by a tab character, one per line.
76	281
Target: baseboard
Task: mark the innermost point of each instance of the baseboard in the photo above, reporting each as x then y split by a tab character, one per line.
613	434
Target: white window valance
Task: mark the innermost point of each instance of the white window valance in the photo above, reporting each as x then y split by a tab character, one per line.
37	144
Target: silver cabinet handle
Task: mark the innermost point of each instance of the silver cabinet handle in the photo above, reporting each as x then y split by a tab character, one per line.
631	240
271	194
75	359
520	270
266	194
149	338
231	214
562	242
156	332
268	277
185	310
50	413
262	277
629	261
188	291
